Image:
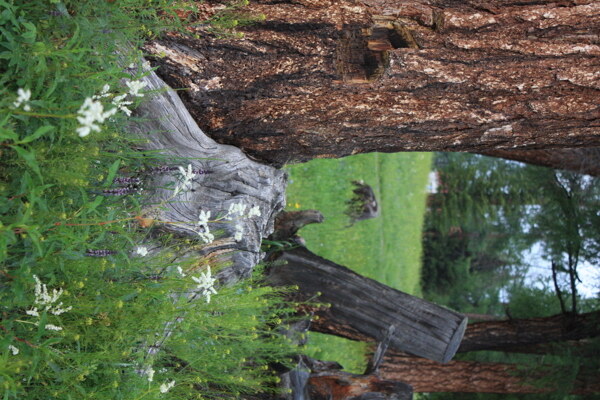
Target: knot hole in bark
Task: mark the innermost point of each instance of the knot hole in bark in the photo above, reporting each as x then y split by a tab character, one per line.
362	55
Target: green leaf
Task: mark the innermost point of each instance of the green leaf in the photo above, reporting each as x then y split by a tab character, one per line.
7	134
29	158
94	204
112	172
30	33
34	236
37	134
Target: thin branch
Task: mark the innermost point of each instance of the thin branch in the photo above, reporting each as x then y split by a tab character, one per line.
563	309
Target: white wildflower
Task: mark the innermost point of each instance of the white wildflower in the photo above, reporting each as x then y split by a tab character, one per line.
203	230
46	300
23	96
235	209
206	284
203	217
135	87
254	212
57	310
13	349
149	373
90	114
165	387
33	312
205	234
142	251
42	297
239	232
185	180
103	93
53	327
180	271
120	102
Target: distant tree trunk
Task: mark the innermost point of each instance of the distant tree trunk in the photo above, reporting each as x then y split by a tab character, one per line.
323	78
581	160
506	335
476	377
577	348
500	335
367	308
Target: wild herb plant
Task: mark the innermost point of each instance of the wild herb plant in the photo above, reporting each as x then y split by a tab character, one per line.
87	310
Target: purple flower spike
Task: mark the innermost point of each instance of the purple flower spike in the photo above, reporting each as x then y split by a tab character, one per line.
127	180
99	253
118	191
165	168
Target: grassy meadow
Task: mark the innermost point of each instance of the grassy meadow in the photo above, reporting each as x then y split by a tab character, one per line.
386	248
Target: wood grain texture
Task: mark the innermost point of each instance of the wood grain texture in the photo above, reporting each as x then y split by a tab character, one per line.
163	123
367	308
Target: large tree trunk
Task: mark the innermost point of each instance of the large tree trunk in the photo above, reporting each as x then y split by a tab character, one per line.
500	335
322	78
580	160
476	377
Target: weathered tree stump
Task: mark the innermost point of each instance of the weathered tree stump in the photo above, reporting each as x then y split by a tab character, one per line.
164	124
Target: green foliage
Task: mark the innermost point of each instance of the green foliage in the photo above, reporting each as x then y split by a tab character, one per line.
81	310
489	213
386	248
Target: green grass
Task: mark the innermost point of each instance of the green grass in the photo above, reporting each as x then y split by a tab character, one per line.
386	248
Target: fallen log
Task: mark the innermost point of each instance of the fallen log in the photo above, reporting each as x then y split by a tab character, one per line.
368	308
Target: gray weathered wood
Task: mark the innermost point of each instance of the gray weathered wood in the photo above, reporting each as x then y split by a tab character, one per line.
163	123
368	308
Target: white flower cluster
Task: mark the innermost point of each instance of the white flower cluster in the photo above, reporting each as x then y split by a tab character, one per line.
91	113
206	284
239	210
23	97
13	349
135	87
46	301
236	211
149	372
118	101
203	230
142	251
185	180
165	387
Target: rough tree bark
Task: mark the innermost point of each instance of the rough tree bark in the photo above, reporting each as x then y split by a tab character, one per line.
323	78
476	377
